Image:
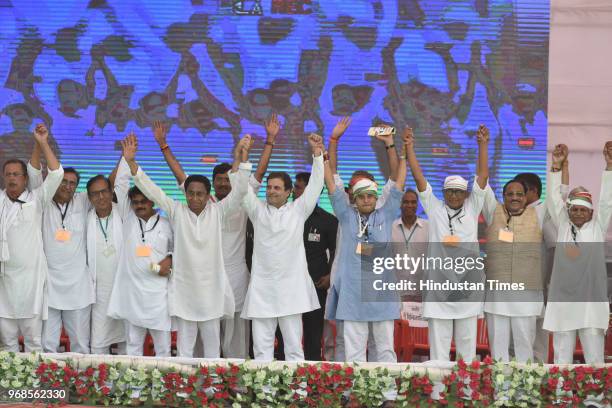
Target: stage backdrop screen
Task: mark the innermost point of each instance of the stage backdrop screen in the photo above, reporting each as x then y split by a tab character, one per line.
94	70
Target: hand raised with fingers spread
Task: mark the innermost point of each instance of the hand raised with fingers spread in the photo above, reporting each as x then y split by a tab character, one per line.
272	127
41	134
129	146
160	132
340	128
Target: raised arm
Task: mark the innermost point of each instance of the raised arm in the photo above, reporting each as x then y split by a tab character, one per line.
308	200
160	133
35	177
272	128
483	156
554	200
143	182
604	209
121	184
239	180
337	133
391	153
400	170
330	182
56	173
415	168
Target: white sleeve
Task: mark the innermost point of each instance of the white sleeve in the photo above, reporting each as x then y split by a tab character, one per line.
122	187
35	177
308	200
154	193
554	200
47	189
604	209
477	197
239	182
429	201
254	184
490	204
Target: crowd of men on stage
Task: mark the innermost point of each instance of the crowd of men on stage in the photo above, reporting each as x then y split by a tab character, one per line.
108	267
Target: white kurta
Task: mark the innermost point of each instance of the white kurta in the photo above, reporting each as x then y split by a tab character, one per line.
564	316
465	227
280	284
139	295
199	289
23	273
69	283
528	302
233	234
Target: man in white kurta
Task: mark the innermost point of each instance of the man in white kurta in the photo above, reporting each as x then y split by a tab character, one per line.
577	297
23	267
104	243
70	286
281	289
199	293
453	226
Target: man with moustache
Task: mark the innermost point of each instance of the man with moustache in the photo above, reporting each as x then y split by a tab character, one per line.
140	291
70	286
514	255
577	295
320	231
104	243
280	289
235	334
23	267
453	230
200	294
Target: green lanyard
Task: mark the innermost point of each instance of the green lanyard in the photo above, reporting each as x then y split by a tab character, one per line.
104	229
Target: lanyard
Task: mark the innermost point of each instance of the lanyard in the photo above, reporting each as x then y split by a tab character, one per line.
407	240
574	234
142	230
450	219
363	227
105	228
62	214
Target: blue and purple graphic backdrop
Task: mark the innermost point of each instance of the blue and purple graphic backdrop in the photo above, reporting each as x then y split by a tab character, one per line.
94	70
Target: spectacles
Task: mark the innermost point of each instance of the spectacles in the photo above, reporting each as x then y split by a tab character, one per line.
13	174
100	193
454	191
69	183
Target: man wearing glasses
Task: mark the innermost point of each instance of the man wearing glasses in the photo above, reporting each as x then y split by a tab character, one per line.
104	242
69	286
23	267
453	231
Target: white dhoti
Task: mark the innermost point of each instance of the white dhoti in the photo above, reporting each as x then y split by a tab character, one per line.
592	340
209	334
235	337
30	329
264	330
136	336
441	332
78	327
523	329
356	335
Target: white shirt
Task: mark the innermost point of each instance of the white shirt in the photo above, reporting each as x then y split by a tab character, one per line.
199	289
584	280
24	273
69	283
139	295
280	284
465	227
233	234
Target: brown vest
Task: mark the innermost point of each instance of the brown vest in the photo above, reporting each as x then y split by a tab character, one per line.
518	261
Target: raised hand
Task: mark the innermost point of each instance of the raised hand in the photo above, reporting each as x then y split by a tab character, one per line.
559	155
341	127
608	154
316	143
241	152
408	138
483	135
387	139
129	146
41	134
272	127
160	132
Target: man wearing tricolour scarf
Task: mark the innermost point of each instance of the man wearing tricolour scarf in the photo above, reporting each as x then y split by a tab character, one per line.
363	225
